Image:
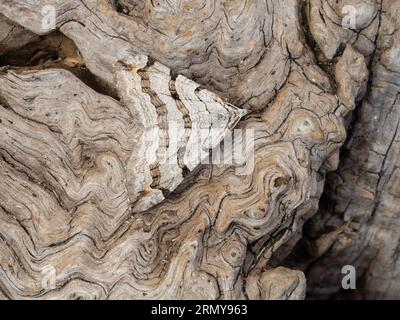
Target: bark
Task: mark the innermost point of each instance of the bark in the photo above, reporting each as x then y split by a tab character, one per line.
357	223
76	101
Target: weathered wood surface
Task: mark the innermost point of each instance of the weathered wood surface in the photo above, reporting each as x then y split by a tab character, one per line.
69	228
13	36
358	222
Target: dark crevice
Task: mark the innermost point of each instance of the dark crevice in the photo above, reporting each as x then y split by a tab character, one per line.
54	50
327	219
325	64
129	7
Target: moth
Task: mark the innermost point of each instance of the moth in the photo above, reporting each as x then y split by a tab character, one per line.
179	123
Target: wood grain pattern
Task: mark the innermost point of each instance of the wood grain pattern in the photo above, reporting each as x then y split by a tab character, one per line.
71	158
357	223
